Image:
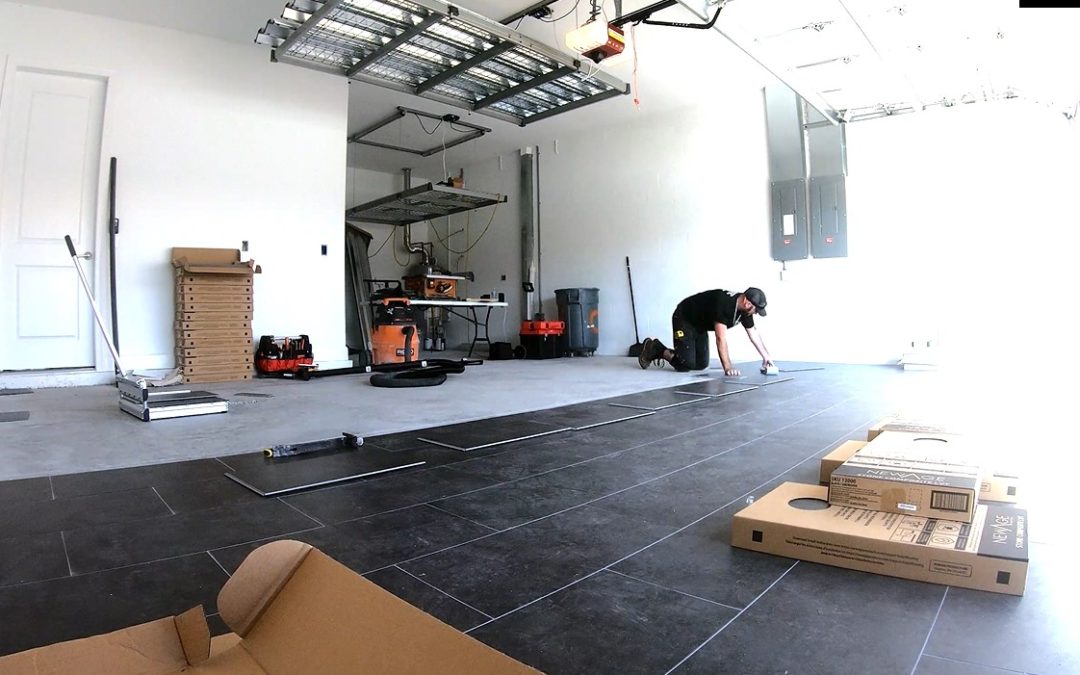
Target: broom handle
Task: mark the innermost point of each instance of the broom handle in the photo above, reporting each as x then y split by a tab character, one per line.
93	305
633	308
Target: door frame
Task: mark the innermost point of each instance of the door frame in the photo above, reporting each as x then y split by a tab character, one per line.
102	372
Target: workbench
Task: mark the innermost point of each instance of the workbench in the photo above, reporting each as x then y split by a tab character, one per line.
473	317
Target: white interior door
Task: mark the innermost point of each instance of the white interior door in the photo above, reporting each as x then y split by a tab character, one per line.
50	149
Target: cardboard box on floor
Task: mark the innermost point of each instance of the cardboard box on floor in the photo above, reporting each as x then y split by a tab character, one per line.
932	475
293	610
996	486
909	425
796	521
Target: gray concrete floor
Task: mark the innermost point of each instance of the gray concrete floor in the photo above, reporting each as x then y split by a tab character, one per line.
75	429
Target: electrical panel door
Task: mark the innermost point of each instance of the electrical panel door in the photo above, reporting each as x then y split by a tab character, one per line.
828	217
790	240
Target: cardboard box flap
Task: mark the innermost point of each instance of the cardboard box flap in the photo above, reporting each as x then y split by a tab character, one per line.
194	634
256	583
152	647
328	619
213	261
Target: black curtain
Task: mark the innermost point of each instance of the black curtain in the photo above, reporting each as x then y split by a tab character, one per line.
357	295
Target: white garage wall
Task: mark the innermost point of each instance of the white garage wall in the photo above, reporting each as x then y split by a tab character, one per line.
954	217
215	145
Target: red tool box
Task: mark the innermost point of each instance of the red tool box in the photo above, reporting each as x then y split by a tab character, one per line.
279	355
542	327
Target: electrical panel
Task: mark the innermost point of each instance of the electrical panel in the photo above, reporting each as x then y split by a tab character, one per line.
828	217
790	234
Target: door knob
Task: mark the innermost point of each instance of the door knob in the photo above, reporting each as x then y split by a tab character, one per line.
86	255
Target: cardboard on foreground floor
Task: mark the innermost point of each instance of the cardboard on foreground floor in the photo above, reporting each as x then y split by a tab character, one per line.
293	610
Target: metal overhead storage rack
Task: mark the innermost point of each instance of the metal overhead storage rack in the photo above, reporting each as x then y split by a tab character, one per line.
421	203
440	52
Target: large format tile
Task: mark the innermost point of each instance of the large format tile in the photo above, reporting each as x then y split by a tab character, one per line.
500	572
469	436
346	502
657	399
541	455
274	476
73	607
1036	633
32	558
154	475
207	494
376	541
25	490
606	623
428	598
701	561
511	504
933	665
819	619
107	546
72	513
586	415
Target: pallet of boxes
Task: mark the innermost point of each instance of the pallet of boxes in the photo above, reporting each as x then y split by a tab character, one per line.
214	302
915	501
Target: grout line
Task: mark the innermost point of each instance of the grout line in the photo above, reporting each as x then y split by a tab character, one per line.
668	588
214	558
52	490
223	463
163	500
931	631
732	619
468	520
63	541
975	663
441	591
297	509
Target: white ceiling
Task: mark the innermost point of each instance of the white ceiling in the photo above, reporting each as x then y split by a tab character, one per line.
872	56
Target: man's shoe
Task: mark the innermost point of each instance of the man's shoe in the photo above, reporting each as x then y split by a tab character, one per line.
646	356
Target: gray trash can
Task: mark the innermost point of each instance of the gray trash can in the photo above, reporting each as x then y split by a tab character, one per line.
579	311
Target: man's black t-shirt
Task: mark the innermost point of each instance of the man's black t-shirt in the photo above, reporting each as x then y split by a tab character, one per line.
708	308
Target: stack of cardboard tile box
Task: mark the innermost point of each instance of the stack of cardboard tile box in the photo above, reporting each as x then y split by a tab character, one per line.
214	302
914	501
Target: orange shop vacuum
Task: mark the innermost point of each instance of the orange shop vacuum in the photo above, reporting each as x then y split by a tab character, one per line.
394	338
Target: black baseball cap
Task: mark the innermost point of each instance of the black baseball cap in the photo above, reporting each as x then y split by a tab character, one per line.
757	298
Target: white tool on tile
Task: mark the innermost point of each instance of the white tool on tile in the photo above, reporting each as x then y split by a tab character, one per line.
771	369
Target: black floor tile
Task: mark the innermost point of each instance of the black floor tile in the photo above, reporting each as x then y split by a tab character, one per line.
657	399
406	440
32	558
15	392
511	504
365	498
932	665
479	434
107	546
819	619
25	490
17	416
503	571
72	513
431	600
155	475
540	455
586	415
700	561
274	476
1035	633
714	387
376	541
207	494
73	607
606	623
